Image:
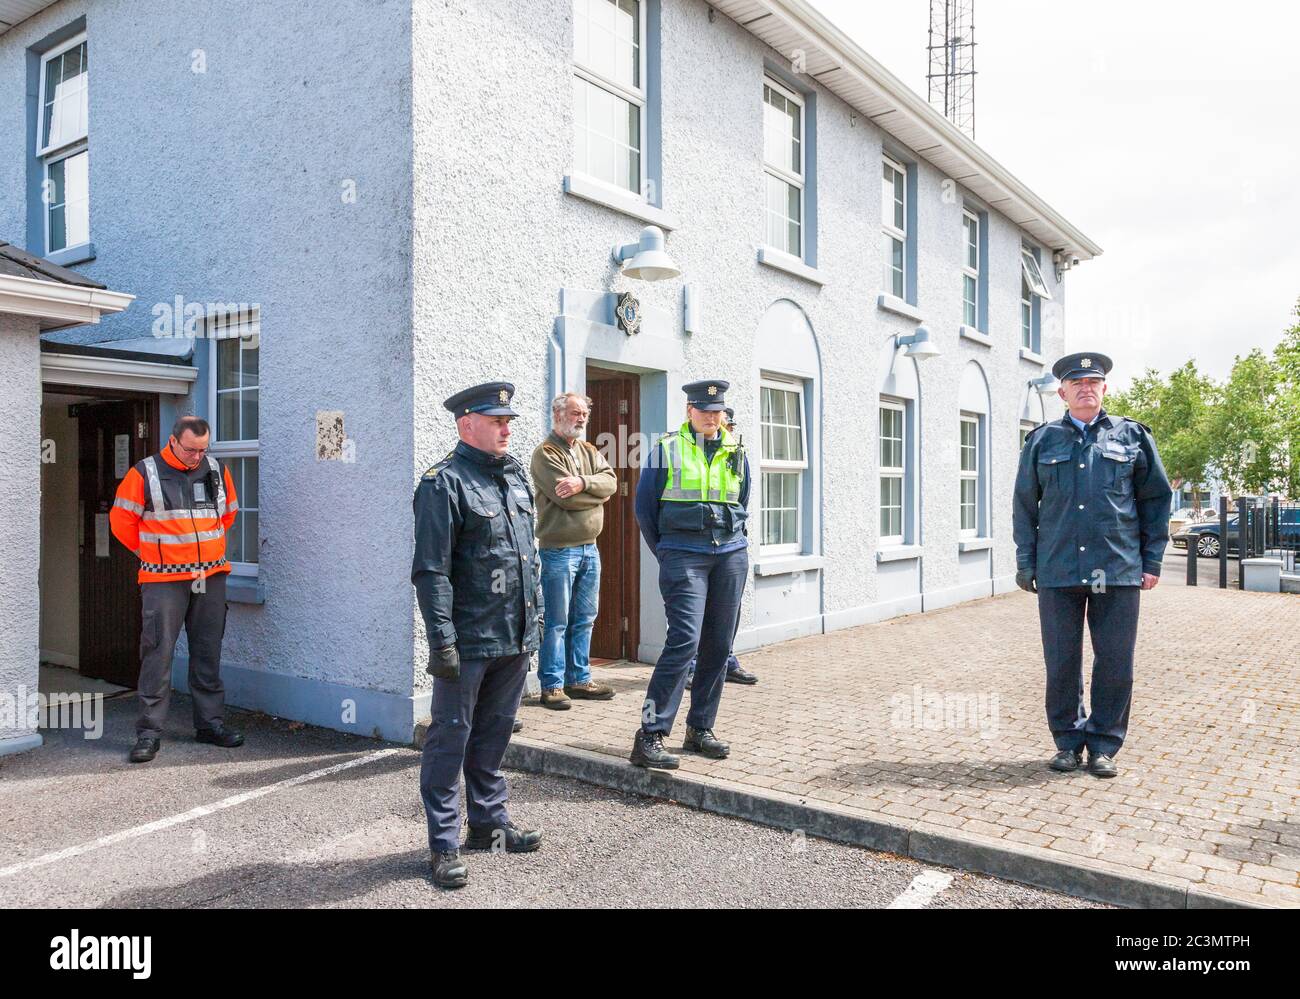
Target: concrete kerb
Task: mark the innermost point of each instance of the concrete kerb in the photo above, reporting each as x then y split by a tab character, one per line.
1030	865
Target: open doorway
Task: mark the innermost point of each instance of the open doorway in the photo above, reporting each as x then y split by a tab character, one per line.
613	428
89	598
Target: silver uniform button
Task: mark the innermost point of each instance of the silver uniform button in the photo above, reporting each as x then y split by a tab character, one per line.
1083	548
1080	464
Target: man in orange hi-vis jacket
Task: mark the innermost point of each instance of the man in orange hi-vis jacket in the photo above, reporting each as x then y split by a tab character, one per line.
173	510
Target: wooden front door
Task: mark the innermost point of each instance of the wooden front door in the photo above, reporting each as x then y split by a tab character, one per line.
615	419
112	436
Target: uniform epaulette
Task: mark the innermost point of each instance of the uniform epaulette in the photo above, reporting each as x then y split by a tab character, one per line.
1032	430
435	469
1139	423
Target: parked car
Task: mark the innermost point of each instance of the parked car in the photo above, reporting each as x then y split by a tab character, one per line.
1187	515
1208	543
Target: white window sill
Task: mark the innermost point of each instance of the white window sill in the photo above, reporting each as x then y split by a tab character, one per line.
72	255
971	333
897	553
776	565
599	194
894	304
790	264
241	589
974	544
1028	355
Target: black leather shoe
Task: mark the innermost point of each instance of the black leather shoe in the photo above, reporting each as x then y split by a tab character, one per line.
144	750
226	738
738	675
1101	765
508	837
1067	760
449	871
648	751
704	742
518	726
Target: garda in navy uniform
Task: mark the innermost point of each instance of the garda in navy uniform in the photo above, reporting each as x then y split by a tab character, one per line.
479	590
691	508
1090	521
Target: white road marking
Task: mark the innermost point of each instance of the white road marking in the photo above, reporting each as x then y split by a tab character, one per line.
922	891
191	815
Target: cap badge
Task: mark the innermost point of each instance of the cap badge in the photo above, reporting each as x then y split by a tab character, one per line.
504	396
713	390
1086	362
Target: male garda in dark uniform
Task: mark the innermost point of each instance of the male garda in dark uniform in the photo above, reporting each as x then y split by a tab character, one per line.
691	507
1090	523
476	579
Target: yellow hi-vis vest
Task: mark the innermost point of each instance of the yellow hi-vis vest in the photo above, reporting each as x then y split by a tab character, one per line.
691	477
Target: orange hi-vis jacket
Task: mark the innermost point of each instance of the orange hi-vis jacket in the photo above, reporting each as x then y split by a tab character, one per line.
174	519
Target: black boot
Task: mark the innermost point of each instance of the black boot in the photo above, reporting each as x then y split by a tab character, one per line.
648	751
738	675
704	742
144	750
509	837
449	871
226	738
1067	760
1101	765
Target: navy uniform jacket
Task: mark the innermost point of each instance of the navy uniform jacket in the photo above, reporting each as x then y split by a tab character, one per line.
475	569
1091	501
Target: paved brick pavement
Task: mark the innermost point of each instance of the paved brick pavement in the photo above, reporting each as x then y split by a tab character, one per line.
935	722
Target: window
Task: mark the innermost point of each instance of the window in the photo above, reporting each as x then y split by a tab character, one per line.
893	472
783	121
234	407
1032	289
62	145
609	95
784	461
894	218
970	270
970	474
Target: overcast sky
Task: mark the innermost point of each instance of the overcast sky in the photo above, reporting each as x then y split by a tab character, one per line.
1167	132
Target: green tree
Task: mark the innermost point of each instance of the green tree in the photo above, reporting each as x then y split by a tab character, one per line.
1247	444
1286	357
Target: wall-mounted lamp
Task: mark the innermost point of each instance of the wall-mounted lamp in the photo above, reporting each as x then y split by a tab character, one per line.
1046	385
918	344
645	260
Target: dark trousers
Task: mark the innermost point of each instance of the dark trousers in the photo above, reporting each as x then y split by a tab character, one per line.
470	720
166	608
1112	624
701	594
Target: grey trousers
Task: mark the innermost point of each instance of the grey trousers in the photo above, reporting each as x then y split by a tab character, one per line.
168	606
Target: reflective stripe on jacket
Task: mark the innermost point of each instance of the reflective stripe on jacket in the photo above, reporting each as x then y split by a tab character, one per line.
174	519
701	497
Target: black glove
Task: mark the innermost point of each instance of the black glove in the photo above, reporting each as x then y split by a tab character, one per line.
444	664
1025	580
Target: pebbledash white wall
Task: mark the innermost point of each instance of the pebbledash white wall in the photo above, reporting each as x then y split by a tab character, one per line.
513	279
20	525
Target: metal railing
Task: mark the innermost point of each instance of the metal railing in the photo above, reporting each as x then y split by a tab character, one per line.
1263	527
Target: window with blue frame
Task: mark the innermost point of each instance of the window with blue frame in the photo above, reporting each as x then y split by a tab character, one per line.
62	142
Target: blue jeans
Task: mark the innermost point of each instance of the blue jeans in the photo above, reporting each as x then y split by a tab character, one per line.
571	592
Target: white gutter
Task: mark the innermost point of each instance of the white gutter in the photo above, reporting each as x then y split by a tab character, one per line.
56	304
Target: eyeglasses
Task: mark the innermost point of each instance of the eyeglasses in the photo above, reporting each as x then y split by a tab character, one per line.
199	451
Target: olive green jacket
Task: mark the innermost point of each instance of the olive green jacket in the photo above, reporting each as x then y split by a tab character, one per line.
577	519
